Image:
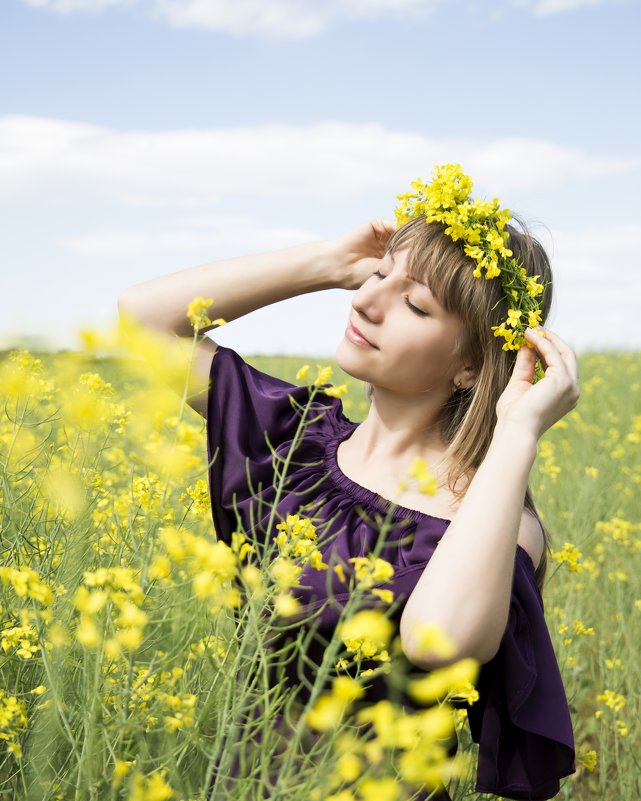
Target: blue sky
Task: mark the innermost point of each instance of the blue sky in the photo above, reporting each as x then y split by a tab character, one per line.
141	137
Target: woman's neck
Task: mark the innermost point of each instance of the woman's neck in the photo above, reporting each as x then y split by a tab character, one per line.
397	429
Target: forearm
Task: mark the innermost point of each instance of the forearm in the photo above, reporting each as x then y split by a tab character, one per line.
238	286
466	586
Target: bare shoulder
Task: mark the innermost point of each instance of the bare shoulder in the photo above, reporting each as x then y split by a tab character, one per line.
531	537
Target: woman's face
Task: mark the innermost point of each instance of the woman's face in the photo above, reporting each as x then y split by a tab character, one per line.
413	339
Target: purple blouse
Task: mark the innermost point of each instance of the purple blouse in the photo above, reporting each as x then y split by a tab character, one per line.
521	721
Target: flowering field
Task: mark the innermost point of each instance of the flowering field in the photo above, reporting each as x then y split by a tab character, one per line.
131	641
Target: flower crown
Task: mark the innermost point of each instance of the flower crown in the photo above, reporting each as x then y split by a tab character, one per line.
480	225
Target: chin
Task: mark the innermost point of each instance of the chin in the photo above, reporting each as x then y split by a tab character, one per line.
349	362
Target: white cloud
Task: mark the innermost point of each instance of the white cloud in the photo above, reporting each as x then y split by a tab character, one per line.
542	8
275	19
294	19
69	6
371	6
43	158
215	182
284	19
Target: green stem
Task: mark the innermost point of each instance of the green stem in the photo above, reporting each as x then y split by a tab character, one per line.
329	655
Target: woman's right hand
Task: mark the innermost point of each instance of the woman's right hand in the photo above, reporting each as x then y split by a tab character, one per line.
359	251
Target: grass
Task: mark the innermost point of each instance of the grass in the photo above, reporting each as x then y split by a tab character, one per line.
138	672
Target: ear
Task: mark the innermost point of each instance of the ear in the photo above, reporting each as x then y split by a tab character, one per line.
466	377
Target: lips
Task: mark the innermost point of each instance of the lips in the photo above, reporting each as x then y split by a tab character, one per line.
360	334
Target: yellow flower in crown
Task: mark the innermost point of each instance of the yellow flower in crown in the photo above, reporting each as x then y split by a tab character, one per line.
480	225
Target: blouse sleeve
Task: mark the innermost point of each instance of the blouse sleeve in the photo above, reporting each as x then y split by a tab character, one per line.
521	720
247	410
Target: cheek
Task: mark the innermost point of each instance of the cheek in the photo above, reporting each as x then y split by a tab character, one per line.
428	355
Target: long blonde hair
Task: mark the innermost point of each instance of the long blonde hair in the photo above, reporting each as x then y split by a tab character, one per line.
468	418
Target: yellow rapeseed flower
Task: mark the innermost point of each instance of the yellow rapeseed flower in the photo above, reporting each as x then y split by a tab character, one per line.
587	757
513	317
196	312
122	768
371	570
387	596
301	375
340	572
89	602
367	632
384	789
569	555
285	572
426	481
160	567
349	767
580	628
150	788
432	638
613	700
87	632
65	492
454	680
323	375
326	713
27	583
347	688
253	578
131	615
286	604
336	392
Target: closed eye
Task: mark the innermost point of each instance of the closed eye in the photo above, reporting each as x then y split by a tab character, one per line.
420	313
414	309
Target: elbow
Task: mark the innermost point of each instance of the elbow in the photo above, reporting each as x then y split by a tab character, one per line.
435	648
132	310
124	308
429	660
125	303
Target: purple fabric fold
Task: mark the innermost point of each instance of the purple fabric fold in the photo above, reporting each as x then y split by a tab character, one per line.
521	721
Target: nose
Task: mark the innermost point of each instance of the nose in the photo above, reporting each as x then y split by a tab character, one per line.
370	298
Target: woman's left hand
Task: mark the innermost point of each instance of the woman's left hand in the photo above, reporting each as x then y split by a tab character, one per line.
538	406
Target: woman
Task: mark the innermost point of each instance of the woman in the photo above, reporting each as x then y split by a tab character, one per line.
425	334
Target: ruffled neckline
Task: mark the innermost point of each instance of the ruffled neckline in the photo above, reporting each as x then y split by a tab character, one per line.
363	494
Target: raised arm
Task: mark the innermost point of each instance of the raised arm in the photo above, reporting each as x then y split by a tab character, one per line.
243	284
465	587
238	286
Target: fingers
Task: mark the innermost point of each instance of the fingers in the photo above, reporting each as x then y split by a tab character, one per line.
560	346
386	227
547	346
390	225
555	353
525	365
